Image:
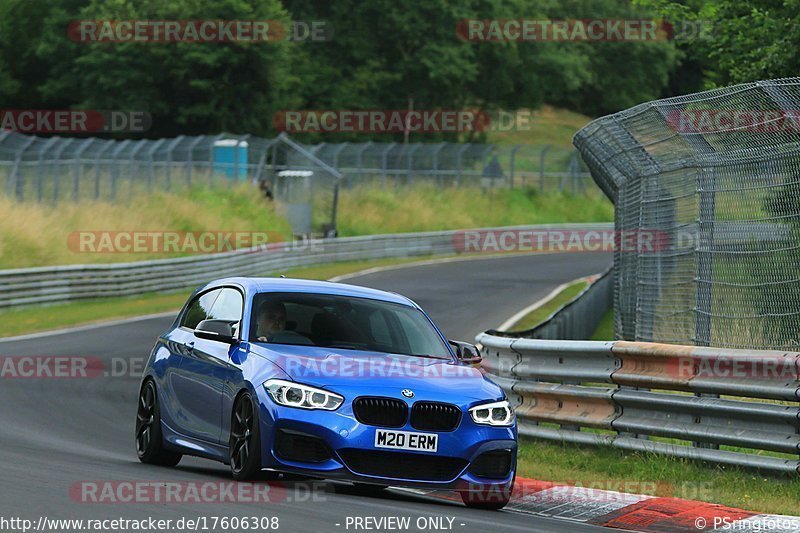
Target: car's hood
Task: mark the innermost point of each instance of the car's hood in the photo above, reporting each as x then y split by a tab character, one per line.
377	373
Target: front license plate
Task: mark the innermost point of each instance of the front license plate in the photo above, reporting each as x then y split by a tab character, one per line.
406	440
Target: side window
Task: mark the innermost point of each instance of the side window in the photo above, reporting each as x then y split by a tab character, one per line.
199	309
229	306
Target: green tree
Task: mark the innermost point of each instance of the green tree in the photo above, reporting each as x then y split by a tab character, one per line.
744	40
384	55
618	74
188	88
387	55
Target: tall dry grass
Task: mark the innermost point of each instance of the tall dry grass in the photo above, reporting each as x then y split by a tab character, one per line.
34	234
368	210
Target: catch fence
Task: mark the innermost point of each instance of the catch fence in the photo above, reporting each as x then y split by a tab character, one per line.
717	174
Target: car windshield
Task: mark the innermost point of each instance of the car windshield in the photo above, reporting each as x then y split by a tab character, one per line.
346	322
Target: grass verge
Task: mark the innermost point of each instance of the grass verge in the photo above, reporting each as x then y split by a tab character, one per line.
541	313
612	469
22	320
43	234
605	329
368	210
547	125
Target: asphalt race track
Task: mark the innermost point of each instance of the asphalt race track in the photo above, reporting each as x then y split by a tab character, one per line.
57	434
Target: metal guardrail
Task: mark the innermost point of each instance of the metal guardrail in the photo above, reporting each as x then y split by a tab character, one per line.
655	398
47	285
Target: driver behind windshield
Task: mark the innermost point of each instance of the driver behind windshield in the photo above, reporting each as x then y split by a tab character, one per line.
271	325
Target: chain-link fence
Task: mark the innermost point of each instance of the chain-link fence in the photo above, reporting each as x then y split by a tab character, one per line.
305	179
715	178
547	168
57	169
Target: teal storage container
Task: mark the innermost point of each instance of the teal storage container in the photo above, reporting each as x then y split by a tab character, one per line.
230	158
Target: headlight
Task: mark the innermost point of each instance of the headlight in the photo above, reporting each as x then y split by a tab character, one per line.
493	414
293	394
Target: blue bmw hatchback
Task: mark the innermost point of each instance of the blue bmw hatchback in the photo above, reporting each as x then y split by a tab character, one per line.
328	380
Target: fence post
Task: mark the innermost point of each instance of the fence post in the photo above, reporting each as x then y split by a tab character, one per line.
511	164
115	166
13	178
4	134
261	162
105	147
360	156
64	145
40	167
77	168
211	158
97	172
132	160
574	171
170	148
336	153
150	154
410	169
189	160
541	166
436	162
459	156
706	185
385	161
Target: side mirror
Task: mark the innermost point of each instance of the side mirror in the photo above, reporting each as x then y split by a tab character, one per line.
466	352
216	330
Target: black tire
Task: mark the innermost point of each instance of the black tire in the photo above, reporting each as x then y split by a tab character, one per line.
149	441
244	446
368	489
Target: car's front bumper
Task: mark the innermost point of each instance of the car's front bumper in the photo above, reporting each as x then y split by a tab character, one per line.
340	431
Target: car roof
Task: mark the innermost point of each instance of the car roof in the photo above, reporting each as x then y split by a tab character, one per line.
253	285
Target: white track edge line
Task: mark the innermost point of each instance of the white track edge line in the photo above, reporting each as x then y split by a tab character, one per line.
117	322
555	292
